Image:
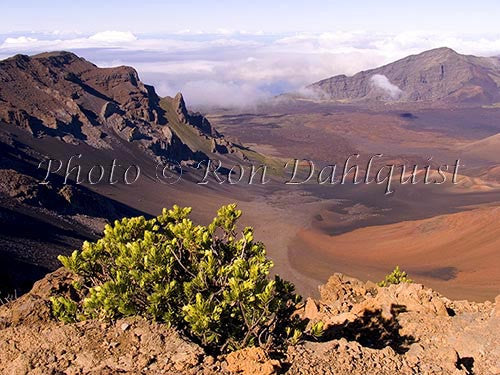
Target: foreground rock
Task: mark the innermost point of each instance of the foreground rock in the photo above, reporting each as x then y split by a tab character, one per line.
402	329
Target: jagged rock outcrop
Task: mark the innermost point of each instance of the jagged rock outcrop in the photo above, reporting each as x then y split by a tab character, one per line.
401	329
180	107
439	75
194	119
197	130
62	95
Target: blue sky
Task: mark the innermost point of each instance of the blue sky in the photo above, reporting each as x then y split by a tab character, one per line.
242	52
255	15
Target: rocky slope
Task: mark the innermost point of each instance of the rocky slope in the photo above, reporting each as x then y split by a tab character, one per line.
401	329
55	105
439	75
62	95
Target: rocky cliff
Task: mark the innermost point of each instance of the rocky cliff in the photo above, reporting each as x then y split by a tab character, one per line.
62	95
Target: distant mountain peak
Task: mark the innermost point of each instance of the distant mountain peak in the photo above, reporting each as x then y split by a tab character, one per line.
65	54
439	75
441	50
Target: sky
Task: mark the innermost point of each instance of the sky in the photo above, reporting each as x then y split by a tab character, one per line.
251	15
242	52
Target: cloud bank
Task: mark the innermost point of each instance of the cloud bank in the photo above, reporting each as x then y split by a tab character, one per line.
231	68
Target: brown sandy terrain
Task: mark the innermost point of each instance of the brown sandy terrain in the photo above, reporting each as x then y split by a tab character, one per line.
457	254
358	214
332	136
487	149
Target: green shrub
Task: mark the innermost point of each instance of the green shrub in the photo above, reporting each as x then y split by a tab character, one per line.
395	277
64	308
208	281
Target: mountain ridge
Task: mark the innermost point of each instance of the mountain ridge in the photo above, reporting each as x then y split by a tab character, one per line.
437	75
63	95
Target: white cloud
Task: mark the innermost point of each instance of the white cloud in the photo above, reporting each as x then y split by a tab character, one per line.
222	31
113	37
99	40
382	82
190	68
222	94
19	41
189	32
122	40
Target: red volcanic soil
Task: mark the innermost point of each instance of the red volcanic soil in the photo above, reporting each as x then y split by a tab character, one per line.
457	254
